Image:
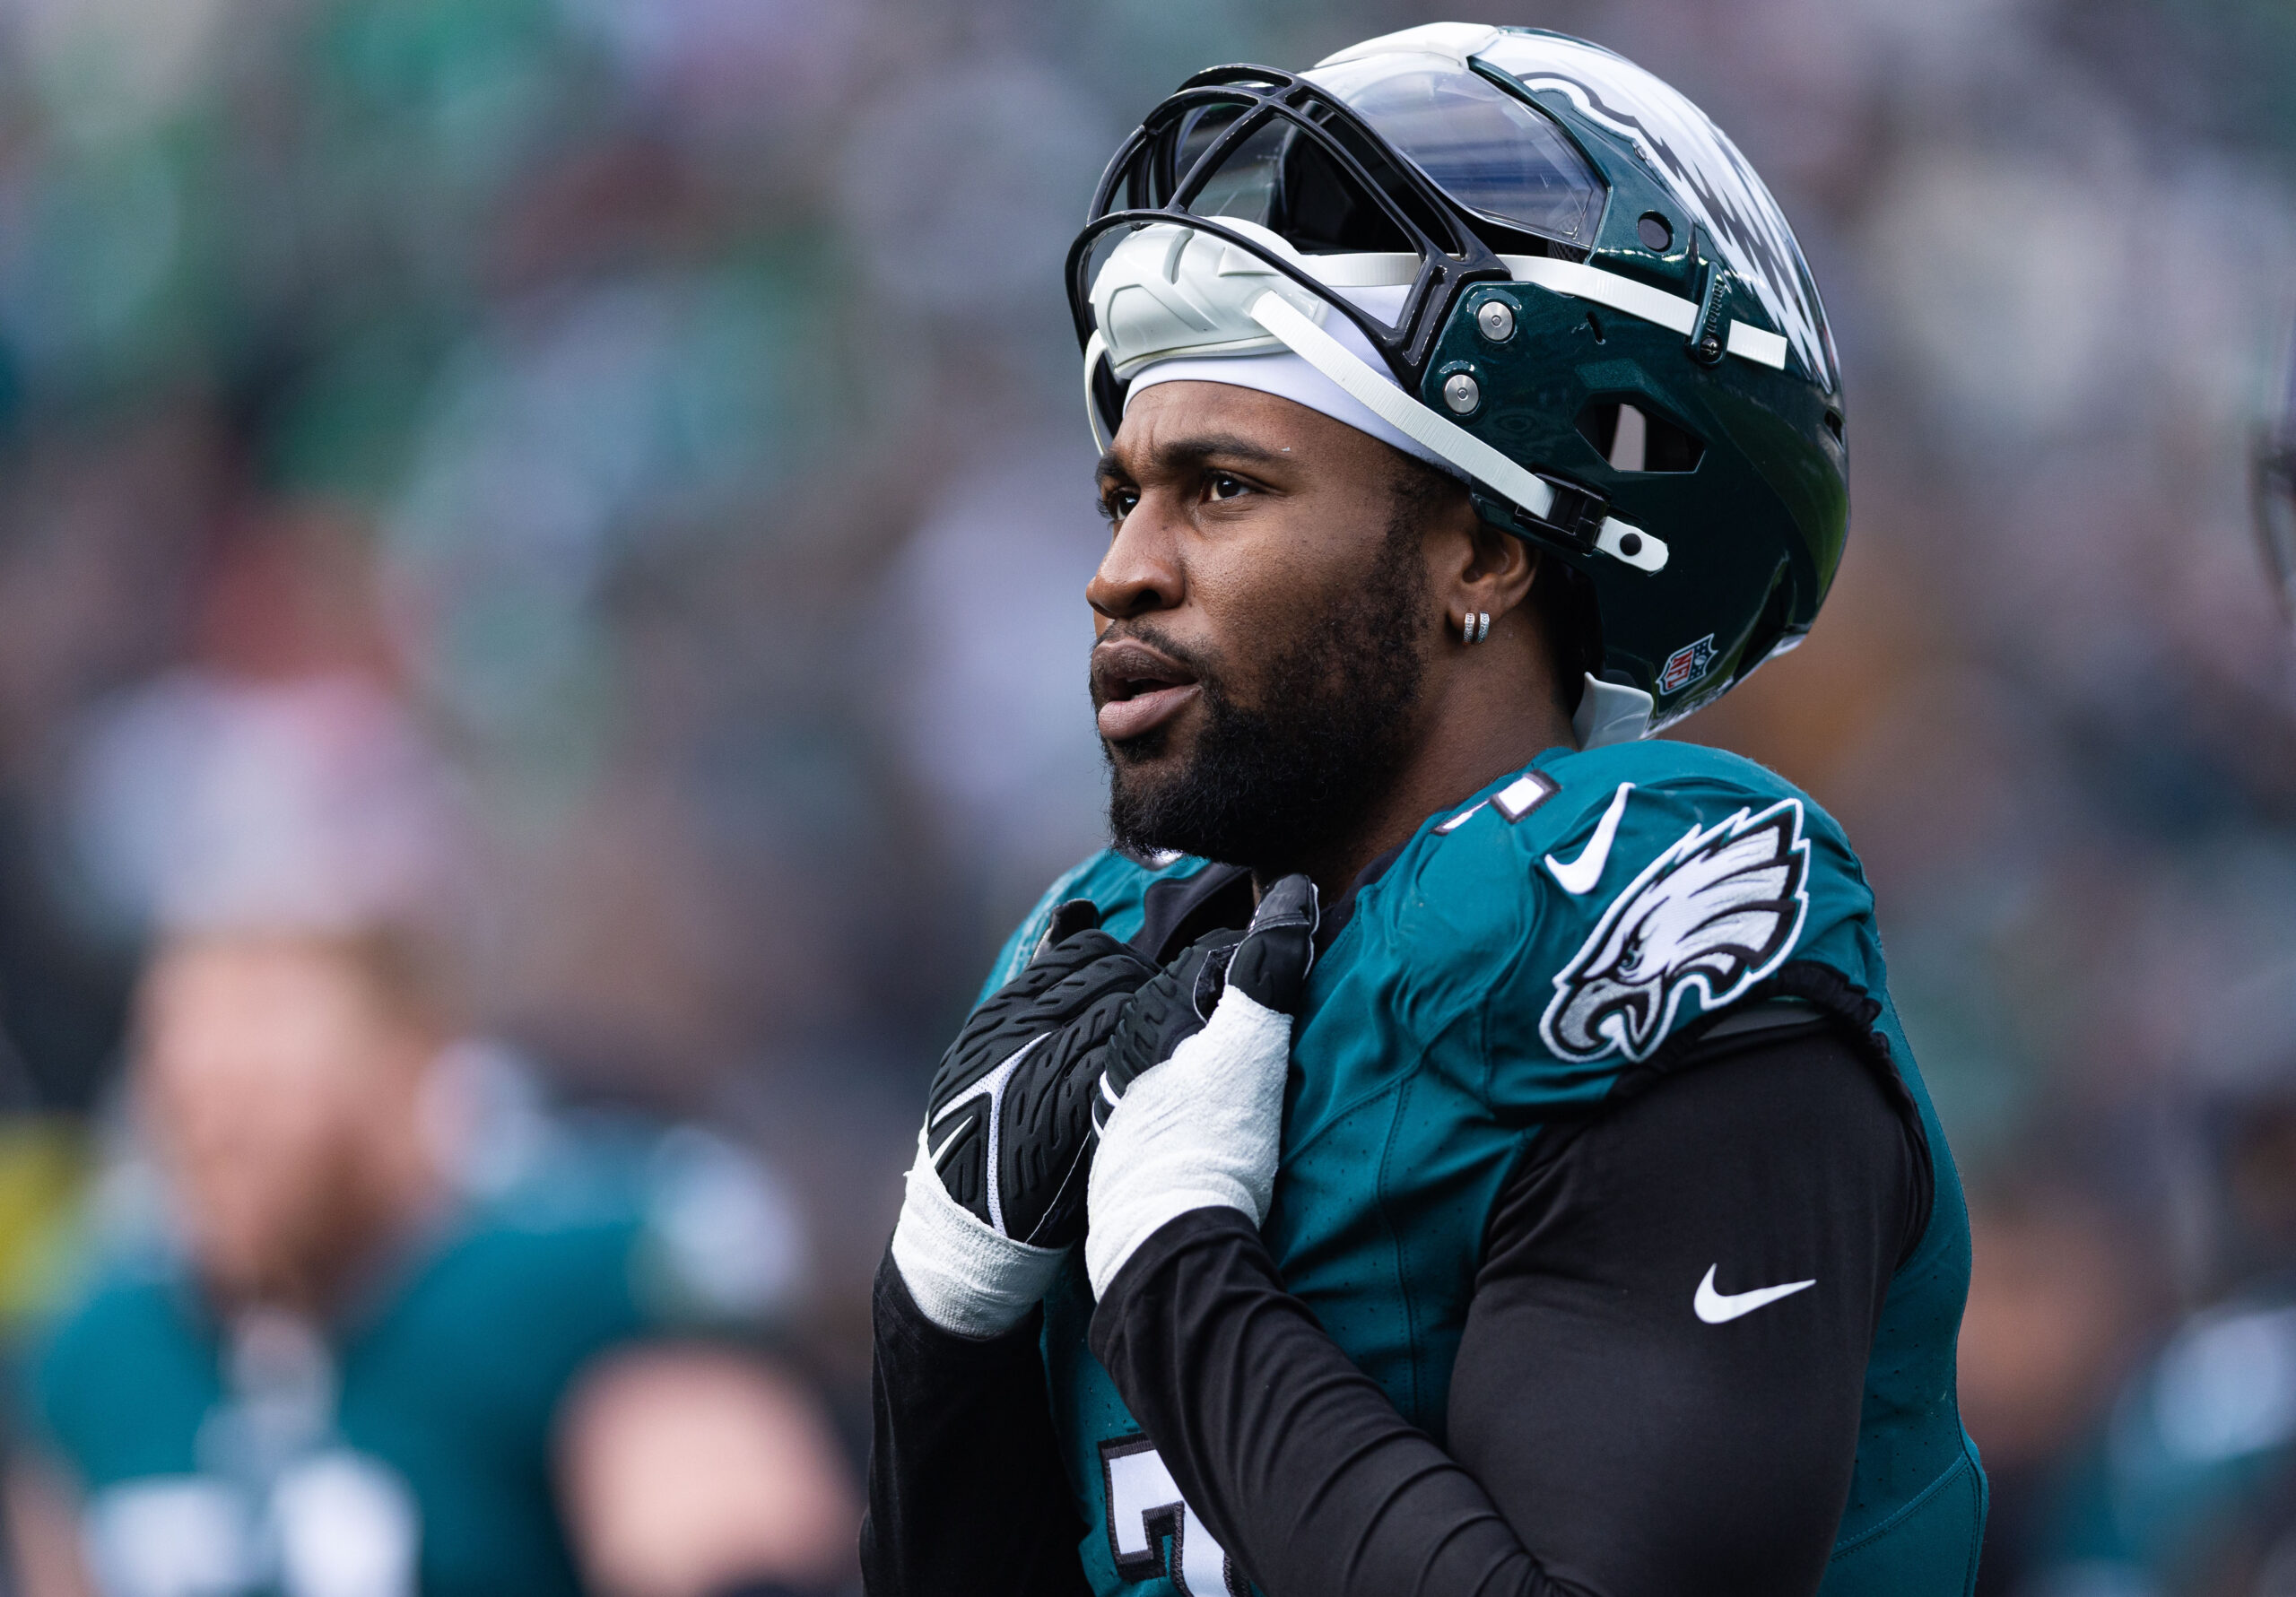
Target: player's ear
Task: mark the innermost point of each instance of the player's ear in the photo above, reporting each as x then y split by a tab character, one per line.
1482	570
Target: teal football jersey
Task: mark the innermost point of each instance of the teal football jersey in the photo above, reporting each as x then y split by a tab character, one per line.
406	1448
1516	962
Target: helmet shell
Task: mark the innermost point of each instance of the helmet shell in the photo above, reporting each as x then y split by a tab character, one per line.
1715	423
1755	529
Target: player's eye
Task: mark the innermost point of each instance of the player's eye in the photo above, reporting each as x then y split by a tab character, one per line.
1221	485
1118	503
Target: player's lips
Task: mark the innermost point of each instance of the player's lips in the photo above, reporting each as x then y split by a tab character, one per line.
1139	688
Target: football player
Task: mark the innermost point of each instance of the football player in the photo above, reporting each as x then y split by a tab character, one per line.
1497	1163
400	1337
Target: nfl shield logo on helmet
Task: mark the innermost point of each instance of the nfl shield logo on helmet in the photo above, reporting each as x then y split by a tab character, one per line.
1687	664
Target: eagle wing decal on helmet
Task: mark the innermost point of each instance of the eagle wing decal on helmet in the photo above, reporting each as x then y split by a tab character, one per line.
1718	911
1704	167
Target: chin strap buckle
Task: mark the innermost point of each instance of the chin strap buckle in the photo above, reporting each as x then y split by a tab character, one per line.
1581	521
1575	512
1583	518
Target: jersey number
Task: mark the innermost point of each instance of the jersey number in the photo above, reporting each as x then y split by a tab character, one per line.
1144	1505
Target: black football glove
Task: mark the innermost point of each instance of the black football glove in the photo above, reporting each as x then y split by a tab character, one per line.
1009	1125
1189	1109
1270	962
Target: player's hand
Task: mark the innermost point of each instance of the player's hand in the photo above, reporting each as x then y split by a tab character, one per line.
1008	1125
1190	1106
996	1194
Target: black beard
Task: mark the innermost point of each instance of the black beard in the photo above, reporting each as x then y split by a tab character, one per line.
1278	789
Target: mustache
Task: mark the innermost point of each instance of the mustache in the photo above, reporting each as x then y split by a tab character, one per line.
1204	667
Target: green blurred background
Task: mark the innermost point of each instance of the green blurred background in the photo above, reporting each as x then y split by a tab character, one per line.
610	472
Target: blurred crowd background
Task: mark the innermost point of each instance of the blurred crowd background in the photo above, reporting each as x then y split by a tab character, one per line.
592	492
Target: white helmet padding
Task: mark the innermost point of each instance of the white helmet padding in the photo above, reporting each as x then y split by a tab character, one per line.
1175	306
1172	295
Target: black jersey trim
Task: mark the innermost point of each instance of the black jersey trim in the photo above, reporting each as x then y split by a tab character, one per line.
1832	995
1839	1002
1176	912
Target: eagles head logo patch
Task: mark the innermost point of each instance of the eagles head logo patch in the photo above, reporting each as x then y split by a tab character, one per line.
1718	911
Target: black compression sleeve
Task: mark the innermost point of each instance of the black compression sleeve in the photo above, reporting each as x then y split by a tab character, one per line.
965	1496
1605	1438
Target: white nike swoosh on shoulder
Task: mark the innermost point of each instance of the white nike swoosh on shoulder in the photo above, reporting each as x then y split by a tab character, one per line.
1716	1308
1444	829
1580	875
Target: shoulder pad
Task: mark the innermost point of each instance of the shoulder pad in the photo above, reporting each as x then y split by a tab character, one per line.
1597	901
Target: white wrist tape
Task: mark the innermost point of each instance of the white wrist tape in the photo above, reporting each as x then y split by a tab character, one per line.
966	1278
1202	1130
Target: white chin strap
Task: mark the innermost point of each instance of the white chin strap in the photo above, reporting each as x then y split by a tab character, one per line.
1355	377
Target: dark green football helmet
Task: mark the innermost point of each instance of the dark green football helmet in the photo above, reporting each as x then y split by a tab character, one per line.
1594	309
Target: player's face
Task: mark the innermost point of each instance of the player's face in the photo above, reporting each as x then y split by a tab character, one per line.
1263	620
268	1074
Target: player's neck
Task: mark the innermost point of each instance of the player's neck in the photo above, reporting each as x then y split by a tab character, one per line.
1482	719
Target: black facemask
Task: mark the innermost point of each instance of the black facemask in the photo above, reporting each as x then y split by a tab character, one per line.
1275	787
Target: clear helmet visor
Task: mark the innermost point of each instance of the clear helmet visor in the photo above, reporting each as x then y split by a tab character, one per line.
1279	176
1284	180
1379	187
1490	154
1488	150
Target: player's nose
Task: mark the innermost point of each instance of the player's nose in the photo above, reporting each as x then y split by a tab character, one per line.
1141	573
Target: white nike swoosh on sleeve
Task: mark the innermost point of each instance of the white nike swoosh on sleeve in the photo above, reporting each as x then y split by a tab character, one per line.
1580	875
1717	1307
